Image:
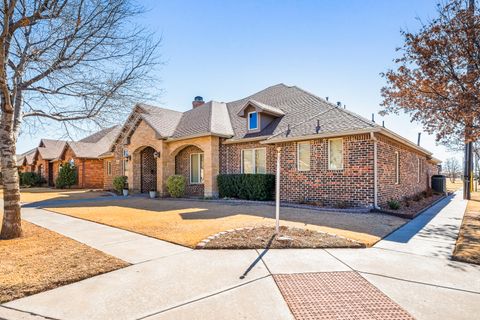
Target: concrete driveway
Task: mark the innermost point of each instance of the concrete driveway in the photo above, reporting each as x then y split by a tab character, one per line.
411	266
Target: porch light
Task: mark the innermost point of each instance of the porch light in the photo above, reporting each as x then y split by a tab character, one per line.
156	154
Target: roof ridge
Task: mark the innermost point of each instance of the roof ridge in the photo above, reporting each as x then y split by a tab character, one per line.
267	88
342	109
157	107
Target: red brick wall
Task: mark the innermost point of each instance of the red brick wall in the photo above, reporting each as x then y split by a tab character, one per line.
231	154
352	186
182	167
408	185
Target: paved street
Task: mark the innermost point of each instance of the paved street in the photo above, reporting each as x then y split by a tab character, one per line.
167	281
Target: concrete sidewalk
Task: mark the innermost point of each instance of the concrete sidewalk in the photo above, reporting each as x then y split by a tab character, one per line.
411	266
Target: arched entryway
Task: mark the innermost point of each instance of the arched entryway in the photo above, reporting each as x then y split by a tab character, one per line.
148	170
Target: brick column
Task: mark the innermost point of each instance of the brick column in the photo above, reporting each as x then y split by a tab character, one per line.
211	167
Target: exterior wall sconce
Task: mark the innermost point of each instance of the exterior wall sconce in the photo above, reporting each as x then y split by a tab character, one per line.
156	154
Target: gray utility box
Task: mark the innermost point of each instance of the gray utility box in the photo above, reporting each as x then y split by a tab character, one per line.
439	183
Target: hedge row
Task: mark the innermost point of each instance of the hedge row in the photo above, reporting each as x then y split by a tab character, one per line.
246	186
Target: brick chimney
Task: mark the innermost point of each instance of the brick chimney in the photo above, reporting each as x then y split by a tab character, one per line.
197	102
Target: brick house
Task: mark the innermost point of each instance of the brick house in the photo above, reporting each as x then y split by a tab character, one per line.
328	154
84	154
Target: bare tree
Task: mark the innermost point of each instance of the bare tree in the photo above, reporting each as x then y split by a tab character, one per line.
453	169
67	61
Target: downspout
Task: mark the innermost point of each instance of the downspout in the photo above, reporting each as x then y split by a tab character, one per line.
375	171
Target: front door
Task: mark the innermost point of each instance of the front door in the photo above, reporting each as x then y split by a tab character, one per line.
50	174
149	170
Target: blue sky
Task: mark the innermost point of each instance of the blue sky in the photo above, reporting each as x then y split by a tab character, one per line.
225	50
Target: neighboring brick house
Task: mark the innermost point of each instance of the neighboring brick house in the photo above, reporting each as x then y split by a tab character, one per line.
328	154
85	156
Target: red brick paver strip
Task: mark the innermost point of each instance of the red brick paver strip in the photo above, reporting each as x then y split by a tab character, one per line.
336	295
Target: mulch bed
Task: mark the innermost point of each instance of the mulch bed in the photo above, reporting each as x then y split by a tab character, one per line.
263	237
467	248
411	208
42	259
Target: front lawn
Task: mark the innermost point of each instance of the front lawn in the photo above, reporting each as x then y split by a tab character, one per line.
41	260
467	248
189	222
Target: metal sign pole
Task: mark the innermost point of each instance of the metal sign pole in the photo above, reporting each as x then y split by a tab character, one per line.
277	193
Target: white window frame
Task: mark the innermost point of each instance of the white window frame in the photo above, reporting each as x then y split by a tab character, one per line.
253	156
309	155
248	120
109	168
328	155
397	167
200	173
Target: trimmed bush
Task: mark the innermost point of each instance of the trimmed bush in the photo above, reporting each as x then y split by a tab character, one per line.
67	176
393	204
246	186
30	179
120	183
176	185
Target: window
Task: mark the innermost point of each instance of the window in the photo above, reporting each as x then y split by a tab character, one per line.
252	120
335	154
109	168
397	167
196	168
254	161
303	156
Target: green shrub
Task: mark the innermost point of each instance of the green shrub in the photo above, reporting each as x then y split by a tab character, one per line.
120	183
30	179
176	185
246	186
67	176
393	204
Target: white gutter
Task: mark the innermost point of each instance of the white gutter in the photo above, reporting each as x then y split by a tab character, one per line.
200	135
232	141
375	172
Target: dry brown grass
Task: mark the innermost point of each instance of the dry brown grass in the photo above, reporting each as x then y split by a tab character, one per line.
454	186
264	237
189	222
42	194
467	248
41	260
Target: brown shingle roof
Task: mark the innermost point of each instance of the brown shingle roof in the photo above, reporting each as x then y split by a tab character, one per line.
96	144
51	149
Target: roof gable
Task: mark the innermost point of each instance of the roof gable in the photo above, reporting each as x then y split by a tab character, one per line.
260	107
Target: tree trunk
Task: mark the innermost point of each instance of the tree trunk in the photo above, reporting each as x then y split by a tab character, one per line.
11	224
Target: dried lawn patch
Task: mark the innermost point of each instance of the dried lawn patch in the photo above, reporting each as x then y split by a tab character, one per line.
454	186
189	222
467	248
41	260
263	237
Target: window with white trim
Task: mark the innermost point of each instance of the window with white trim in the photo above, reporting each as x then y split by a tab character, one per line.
109	168
397	167
196	168
303	156
254	160
335	154
252	120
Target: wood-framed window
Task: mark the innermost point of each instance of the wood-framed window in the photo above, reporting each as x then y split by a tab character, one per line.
196	168
303	156
252	120
335	154
109	168
254	160
397	167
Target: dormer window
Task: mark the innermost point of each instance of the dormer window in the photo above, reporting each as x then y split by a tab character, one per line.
253	120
